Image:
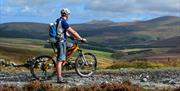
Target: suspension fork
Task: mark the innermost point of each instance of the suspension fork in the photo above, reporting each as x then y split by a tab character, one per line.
81	54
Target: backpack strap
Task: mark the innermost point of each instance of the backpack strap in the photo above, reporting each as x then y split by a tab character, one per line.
57	22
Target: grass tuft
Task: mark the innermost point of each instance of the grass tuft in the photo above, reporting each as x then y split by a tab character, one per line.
145	64
118	86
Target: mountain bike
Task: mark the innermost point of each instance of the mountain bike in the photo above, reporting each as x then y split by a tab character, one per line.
44	66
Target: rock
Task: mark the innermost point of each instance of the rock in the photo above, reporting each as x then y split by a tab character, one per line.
147	76
105	82
172	82
143	80
2	62
169	81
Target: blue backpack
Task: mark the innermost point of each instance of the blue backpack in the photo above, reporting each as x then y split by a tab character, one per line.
53	31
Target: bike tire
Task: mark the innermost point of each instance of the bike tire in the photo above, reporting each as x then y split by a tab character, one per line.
43	68
80	68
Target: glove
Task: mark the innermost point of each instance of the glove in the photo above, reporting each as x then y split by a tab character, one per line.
83	40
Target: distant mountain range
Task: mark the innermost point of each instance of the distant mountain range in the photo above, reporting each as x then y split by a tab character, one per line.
106	33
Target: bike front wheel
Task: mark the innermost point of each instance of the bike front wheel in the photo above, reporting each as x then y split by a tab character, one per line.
44	67
85	64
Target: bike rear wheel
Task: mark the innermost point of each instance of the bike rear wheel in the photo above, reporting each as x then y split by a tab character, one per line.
44	67
85	65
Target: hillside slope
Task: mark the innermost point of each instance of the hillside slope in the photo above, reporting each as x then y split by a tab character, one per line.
24	30
105	33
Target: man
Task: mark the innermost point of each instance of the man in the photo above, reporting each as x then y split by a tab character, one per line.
62	29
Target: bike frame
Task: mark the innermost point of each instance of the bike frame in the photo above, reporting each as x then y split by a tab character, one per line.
70	52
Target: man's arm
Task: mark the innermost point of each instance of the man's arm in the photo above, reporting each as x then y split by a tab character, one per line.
74	33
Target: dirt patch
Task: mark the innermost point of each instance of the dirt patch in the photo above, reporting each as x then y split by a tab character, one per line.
148	79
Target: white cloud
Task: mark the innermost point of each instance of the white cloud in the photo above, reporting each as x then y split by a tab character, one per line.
29	7
100	7
83	10
72	1
16	3
26	9
134	6
32	3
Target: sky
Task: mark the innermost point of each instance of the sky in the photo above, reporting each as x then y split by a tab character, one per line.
46	11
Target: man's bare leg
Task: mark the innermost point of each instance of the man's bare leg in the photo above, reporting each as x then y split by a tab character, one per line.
59	71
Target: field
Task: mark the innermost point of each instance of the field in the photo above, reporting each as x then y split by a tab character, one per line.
122	73
131	56
19	50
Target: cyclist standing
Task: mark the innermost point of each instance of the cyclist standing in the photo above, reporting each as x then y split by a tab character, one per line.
61	44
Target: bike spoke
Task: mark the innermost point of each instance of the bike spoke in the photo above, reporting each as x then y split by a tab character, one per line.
44	67
86	65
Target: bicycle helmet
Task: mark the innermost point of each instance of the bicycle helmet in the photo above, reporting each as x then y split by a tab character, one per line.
65	11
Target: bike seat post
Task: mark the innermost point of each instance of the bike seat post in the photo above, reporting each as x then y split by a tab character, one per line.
53	46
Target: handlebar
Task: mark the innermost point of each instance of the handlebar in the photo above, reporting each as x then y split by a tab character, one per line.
76	40
73	39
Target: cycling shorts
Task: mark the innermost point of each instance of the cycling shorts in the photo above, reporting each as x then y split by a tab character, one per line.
61	50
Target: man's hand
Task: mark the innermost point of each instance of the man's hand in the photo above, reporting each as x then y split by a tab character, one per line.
83	40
